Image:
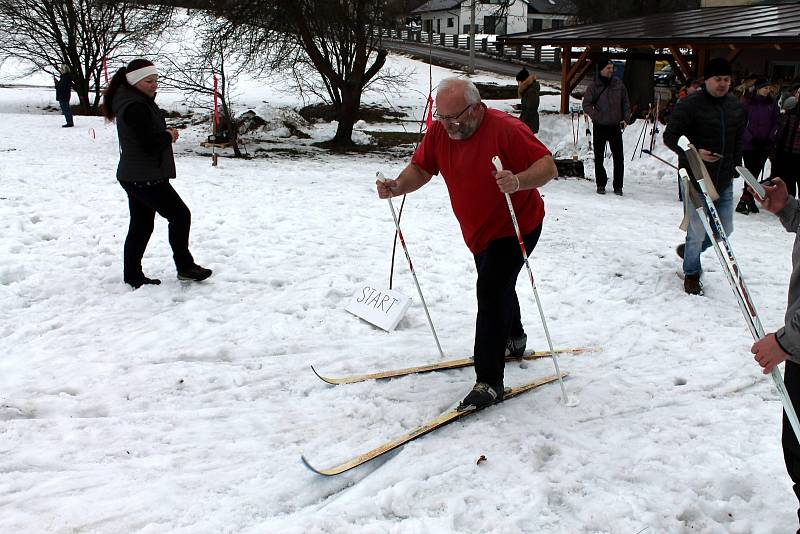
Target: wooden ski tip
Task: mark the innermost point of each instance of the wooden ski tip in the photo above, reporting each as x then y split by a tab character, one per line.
323	378
684	142
311	467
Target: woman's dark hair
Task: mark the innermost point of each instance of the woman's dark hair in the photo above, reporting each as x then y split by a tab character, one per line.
116	82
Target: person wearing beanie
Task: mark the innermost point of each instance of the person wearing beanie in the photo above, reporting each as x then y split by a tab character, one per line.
714	121
606	103
759	135
528	90
146	165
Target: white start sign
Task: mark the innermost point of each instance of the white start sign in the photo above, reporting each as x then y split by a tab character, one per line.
382	307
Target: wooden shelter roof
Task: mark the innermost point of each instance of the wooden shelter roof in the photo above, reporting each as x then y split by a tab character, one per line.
758	25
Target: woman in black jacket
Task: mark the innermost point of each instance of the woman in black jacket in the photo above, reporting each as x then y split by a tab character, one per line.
145	167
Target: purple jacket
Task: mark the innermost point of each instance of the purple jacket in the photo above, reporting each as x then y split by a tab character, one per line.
762	122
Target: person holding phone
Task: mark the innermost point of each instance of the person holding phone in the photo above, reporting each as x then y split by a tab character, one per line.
713	120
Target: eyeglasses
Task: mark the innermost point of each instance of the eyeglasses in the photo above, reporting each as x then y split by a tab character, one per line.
450	118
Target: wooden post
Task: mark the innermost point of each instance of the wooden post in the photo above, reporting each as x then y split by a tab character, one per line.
566	62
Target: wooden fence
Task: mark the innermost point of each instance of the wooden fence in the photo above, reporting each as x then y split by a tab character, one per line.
485	45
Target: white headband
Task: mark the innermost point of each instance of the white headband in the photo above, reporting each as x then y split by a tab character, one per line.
138	75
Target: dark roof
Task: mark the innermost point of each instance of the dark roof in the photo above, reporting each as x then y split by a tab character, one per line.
436	5
553	7
759	24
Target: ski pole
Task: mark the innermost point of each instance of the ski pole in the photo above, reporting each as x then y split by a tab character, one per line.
732	272
662	160
382	178
568	400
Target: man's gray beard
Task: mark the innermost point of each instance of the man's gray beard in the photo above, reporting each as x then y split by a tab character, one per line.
462	134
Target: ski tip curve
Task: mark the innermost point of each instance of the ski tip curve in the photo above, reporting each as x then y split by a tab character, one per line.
312	468
323	378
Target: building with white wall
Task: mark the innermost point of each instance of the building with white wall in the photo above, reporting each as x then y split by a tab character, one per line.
493	17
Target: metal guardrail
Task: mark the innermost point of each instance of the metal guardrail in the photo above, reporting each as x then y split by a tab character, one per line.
485	45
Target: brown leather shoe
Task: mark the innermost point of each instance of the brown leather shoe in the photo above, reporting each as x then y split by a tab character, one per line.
679	250
692	284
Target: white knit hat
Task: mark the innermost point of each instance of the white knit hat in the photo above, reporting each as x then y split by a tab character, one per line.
138	75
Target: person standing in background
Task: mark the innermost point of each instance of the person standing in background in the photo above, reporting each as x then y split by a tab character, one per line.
758	139
786	160
606	102
528	89
63	93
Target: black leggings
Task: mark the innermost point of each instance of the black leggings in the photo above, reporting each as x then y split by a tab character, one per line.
144	202
498	307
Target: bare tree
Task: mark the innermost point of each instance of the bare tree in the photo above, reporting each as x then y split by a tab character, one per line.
339	38
212	51
77	33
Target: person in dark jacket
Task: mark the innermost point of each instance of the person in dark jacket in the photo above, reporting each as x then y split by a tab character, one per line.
758	138
145	168
713	120
606	102
528	90
786	160
63	94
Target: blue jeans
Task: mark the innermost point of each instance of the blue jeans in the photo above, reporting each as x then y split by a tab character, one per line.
66	111
696	239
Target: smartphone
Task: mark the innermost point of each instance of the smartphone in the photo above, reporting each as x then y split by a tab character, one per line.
752	182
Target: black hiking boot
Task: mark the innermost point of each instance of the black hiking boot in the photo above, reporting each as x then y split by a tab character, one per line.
136	283
692	284
743	208
601	190
679	250
482	395
515	346
195	273
618	192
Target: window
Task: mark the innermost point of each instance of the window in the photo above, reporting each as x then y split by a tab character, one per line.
494	25
451	22
534	25
558	24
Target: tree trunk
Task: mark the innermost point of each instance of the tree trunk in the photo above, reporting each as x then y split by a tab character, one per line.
638	79
347	115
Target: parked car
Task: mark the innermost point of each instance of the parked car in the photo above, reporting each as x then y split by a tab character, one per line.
665	76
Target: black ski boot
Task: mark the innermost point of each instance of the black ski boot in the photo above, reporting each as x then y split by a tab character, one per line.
515	346
482	395
742	207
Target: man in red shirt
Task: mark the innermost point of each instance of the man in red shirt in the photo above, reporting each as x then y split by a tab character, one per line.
460	146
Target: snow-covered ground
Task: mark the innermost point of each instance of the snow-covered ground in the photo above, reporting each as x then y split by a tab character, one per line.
185	407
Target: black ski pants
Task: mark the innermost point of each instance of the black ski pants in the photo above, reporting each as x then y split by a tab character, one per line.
498	307
791	448
144	201
787	168
611	134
